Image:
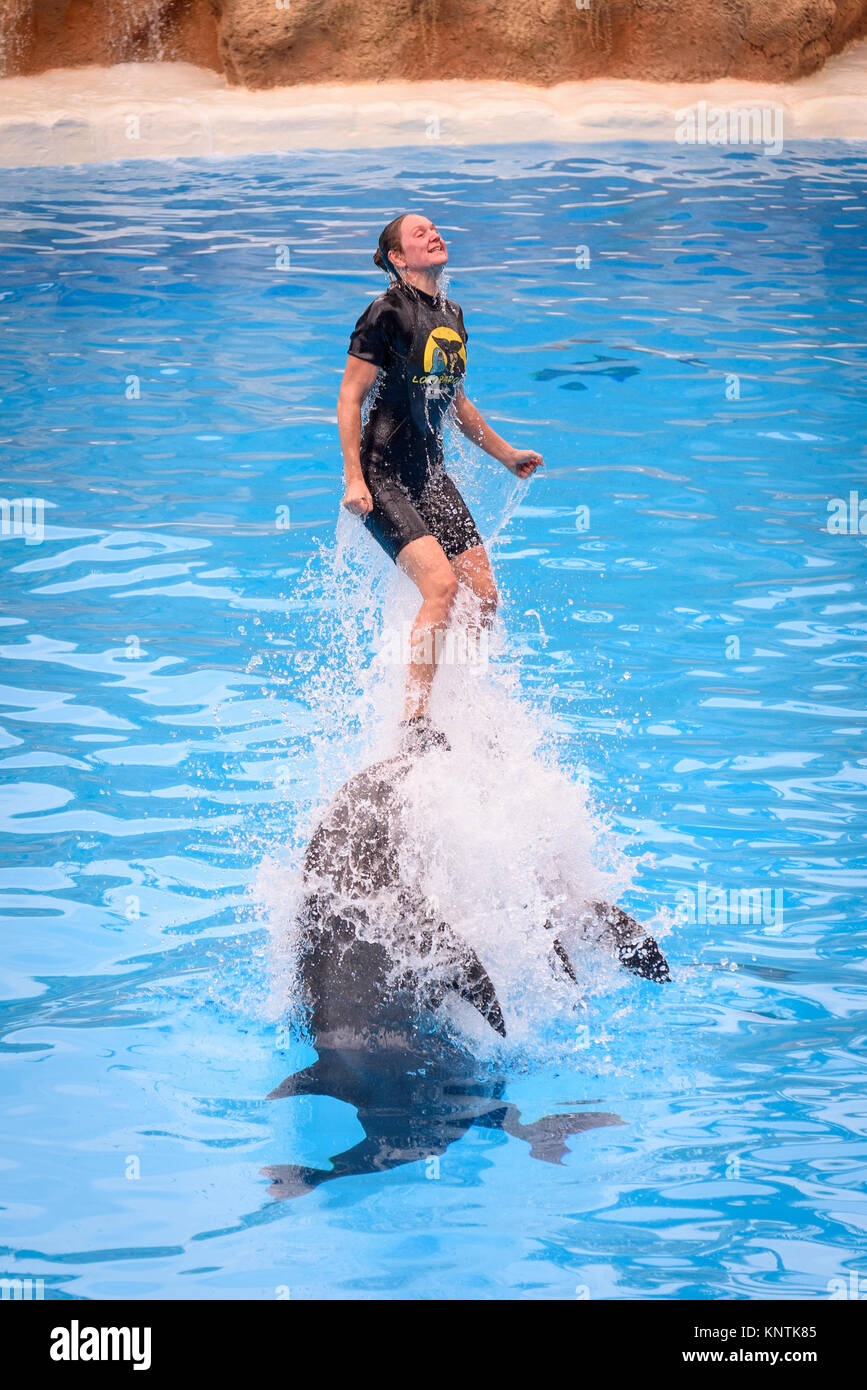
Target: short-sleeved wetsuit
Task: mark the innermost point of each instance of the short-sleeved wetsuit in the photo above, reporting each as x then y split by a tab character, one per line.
419	344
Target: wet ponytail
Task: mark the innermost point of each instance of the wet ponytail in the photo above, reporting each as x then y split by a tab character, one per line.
389	240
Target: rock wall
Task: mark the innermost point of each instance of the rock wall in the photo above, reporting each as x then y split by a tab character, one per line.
272	43
36	35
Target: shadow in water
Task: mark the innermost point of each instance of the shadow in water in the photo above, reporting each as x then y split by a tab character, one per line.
412	1104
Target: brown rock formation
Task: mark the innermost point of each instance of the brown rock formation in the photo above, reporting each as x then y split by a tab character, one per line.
270	43
39	34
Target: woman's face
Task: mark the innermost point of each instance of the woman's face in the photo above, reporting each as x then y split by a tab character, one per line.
422	247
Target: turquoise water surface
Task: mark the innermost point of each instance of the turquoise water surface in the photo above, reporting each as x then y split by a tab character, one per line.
683	334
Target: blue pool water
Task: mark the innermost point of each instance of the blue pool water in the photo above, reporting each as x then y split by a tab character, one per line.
677	617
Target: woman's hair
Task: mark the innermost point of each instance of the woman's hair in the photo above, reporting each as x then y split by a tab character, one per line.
389	240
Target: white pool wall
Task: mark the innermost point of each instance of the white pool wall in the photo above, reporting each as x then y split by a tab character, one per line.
163	110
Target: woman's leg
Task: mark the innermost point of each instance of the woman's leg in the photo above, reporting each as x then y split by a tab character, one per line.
474	572
476	614
426	564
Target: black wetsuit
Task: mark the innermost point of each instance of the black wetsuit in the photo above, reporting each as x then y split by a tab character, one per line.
419	343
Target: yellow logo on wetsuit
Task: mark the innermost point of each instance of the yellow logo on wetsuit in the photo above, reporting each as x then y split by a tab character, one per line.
445	357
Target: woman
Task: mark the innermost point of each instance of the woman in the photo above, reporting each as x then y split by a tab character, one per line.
413	343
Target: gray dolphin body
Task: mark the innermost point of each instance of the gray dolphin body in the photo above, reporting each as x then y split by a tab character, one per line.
415	1091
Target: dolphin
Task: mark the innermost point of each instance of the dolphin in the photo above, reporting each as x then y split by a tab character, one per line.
414	1089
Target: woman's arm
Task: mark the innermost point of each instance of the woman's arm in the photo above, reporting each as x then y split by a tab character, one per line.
522	462
358	378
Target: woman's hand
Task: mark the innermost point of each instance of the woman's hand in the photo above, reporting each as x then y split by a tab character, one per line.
523	462
357	498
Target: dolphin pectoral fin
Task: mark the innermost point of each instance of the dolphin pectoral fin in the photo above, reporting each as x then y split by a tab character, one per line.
469	979
300	1083
394	1136
546	1136
477	989
636	949
560	954
289	1181
645	958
